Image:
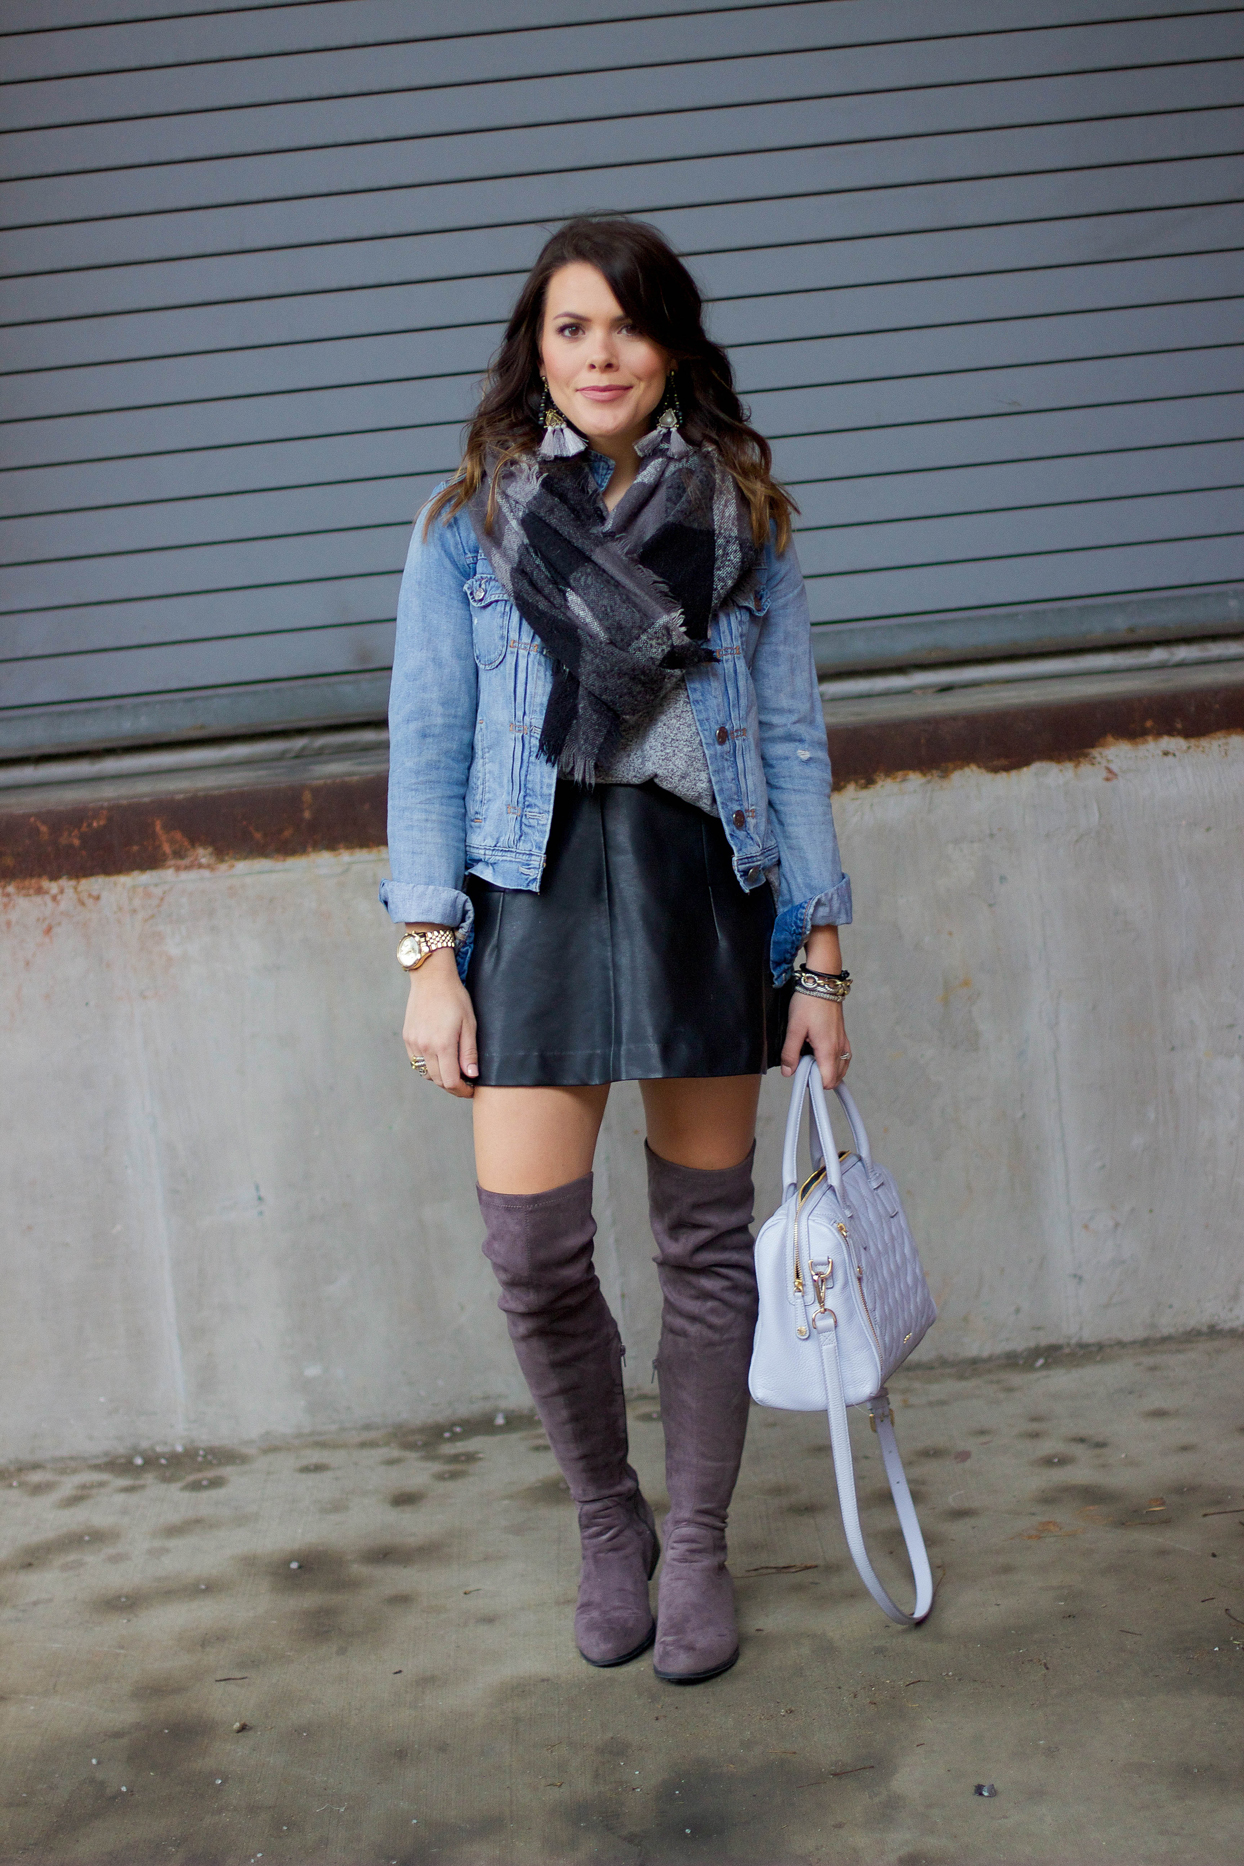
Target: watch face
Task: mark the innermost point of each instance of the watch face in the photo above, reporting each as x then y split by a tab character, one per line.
409	950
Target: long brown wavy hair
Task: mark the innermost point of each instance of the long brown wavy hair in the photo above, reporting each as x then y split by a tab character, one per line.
659	295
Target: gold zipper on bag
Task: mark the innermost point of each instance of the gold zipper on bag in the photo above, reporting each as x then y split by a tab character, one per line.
801	1327
810	1183
859	1277
808	1186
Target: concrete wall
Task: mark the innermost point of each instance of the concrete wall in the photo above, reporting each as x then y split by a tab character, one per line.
230	1210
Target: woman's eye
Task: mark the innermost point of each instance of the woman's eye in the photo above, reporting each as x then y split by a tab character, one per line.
568	330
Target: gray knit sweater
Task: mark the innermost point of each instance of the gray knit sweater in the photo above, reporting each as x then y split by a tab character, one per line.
665	748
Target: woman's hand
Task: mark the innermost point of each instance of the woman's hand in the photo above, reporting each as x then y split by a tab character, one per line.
440	1024
819	1022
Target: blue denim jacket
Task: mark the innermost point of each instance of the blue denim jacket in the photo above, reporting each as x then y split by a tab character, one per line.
470	793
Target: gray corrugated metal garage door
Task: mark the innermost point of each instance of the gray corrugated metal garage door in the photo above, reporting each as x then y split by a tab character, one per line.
981	286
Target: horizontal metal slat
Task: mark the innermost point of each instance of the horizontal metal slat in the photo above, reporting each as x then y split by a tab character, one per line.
993	634
811	407
202	714
1012	396
194	473
34	352
749	151
247	419
429	453
183	31
967	67
857	265
362	551
407	62
1058	576
893	545
191	523
291	655
165	211
750	236
315	245
276	370
875	554
968	301
1035	435
334	70
371	167
257	33
1007	344
211	615
986	392
898	499
833	357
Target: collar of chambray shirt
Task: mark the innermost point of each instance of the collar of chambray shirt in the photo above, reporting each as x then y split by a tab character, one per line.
602	467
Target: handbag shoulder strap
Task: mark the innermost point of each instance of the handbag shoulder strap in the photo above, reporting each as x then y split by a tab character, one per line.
844	1473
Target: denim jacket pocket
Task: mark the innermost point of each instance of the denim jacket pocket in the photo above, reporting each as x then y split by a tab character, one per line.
757	603
491	615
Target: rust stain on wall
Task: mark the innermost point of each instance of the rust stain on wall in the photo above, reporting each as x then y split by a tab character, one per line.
1010	738
199	829
202	829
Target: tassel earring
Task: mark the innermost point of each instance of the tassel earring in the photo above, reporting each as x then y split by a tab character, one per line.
670	414
561	441
551	415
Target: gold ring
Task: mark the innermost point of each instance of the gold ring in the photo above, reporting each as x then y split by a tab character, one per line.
421	1064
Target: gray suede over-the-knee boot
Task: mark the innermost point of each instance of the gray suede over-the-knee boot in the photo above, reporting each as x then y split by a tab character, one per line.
707	1269
567	1343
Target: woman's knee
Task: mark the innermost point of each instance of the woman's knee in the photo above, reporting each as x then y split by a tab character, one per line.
531	1141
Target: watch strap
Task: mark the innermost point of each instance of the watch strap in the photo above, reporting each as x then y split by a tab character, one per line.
425	944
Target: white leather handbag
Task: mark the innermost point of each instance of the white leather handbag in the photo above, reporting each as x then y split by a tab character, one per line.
843	1301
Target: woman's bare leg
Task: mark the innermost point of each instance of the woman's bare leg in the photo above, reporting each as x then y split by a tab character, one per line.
535	1139
704	1121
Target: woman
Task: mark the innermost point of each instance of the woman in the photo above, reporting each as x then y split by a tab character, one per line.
610	831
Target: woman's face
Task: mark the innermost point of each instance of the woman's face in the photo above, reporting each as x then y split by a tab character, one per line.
602	374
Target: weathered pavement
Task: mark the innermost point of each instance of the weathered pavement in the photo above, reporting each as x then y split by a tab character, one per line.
389	1619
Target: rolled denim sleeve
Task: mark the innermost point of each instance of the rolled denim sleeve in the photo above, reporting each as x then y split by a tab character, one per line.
432	710
813	890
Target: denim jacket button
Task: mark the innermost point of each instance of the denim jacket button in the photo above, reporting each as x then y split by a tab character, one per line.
722	735
753	874
739	819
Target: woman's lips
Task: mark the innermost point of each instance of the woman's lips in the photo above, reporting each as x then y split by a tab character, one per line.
611	394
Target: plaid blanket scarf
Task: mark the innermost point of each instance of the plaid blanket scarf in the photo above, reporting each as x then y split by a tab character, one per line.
622	600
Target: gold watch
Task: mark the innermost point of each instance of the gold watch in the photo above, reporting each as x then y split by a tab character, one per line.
414	948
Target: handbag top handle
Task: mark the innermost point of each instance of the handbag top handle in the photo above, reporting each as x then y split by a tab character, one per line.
807	1085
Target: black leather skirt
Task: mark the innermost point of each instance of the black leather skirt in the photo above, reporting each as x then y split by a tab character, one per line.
641	956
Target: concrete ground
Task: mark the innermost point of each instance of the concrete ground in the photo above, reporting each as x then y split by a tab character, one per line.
358	1650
